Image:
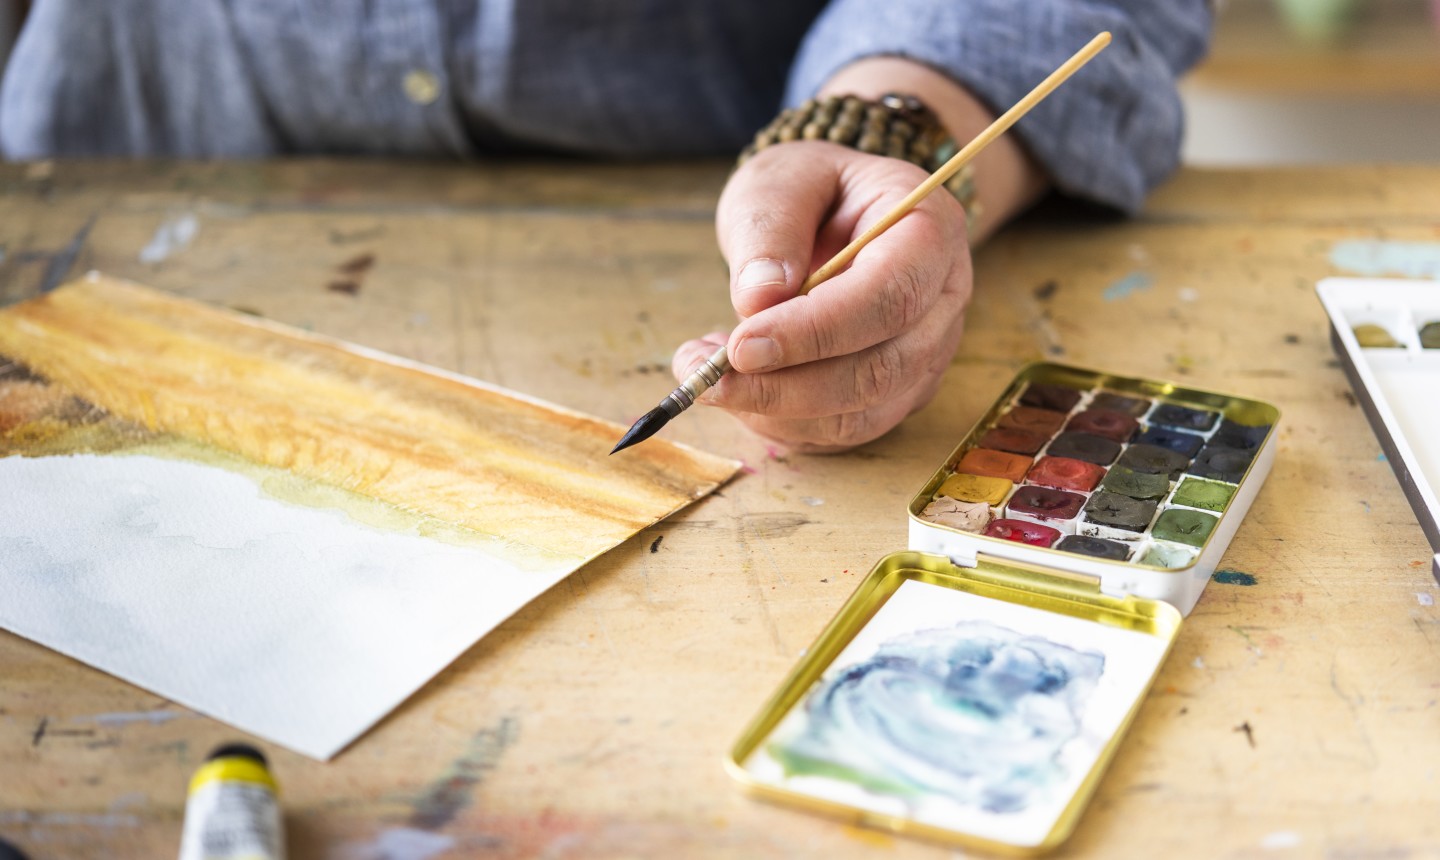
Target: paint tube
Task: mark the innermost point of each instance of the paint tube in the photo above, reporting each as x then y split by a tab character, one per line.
233	811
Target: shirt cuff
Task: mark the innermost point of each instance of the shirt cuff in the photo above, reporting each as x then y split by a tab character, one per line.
1109	134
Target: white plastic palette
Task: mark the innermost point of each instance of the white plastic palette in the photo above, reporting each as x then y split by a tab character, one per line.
1399	387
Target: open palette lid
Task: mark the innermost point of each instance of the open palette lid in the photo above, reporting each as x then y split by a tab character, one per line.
1137	483
1387	335
977	706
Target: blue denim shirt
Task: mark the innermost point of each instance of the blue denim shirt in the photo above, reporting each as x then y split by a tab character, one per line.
630	78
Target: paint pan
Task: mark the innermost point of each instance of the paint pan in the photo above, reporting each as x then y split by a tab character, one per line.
1396	376
974	688
1165	471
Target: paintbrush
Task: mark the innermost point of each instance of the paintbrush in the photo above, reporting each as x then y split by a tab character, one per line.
714	367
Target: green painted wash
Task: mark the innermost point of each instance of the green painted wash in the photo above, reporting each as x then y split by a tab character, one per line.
800	764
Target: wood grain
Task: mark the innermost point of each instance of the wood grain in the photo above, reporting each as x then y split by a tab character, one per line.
593	723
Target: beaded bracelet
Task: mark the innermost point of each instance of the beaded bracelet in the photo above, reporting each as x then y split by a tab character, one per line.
898	126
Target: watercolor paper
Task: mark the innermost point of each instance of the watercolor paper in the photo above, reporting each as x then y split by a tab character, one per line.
299	625
963	713
286	533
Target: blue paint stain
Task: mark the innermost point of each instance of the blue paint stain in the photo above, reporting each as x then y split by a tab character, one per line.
1232	577
453	792
1382	458
409	843
1376	257
976	712
1131	283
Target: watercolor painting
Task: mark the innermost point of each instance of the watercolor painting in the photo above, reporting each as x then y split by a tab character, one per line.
962	713
284	532
975	712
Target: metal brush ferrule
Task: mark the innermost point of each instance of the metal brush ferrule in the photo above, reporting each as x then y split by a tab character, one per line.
706	375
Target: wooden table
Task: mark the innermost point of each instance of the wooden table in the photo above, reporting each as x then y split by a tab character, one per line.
1296	717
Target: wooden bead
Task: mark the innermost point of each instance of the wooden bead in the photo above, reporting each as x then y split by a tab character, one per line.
890	128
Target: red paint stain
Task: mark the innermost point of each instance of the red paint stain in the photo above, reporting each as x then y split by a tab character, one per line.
777	454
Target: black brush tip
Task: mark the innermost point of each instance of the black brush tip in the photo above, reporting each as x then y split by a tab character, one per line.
648	425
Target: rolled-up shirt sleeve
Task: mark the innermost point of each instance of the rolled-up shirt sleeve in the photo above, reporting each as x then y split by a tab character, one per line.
1109	135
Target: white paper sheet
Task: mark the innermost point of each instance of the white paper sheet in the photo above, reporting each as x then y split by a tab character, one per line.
298	624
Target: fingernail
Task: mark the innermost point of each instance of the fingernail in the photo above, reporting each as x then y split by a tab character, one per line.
760	273
756	353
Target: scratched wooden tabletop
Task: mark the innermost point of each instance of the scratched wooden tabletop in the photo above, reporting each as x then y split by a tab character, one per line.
1297	716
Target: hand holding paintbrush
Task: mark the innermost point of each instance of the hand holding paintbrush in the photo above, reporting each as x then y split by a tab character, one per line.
713	368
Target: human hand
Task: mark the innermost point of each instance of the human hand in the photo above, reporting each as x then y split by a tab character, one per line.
844	364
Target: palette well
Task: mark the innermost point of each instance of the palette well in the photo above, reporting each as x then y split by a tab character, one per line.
977	706
1387	335
1137	482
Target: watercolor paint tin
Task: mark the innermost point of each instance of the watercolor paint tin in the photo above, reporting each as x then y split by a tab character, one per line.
977	706
1387	335
974	687
1139	484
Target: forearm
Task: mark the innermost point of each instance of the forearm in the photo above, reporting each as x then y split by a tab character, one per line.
1007	179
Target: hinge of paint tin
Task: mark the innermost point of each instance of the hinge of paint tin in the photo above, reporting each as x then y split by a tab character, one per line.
924	538
962	556
1114	587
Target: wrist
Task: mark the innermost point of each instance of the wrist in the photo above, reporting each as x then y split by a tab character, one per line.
1007	179
894	125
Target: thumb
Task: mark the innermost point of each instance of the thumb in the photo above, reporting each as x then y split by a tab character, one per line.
767	220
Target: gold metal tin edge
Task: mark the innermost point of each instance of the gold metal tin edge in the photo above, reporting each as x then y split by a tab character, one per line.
1013	582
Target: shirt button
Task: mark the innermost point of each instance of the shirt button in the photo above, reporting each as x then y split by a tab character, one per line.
421	87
